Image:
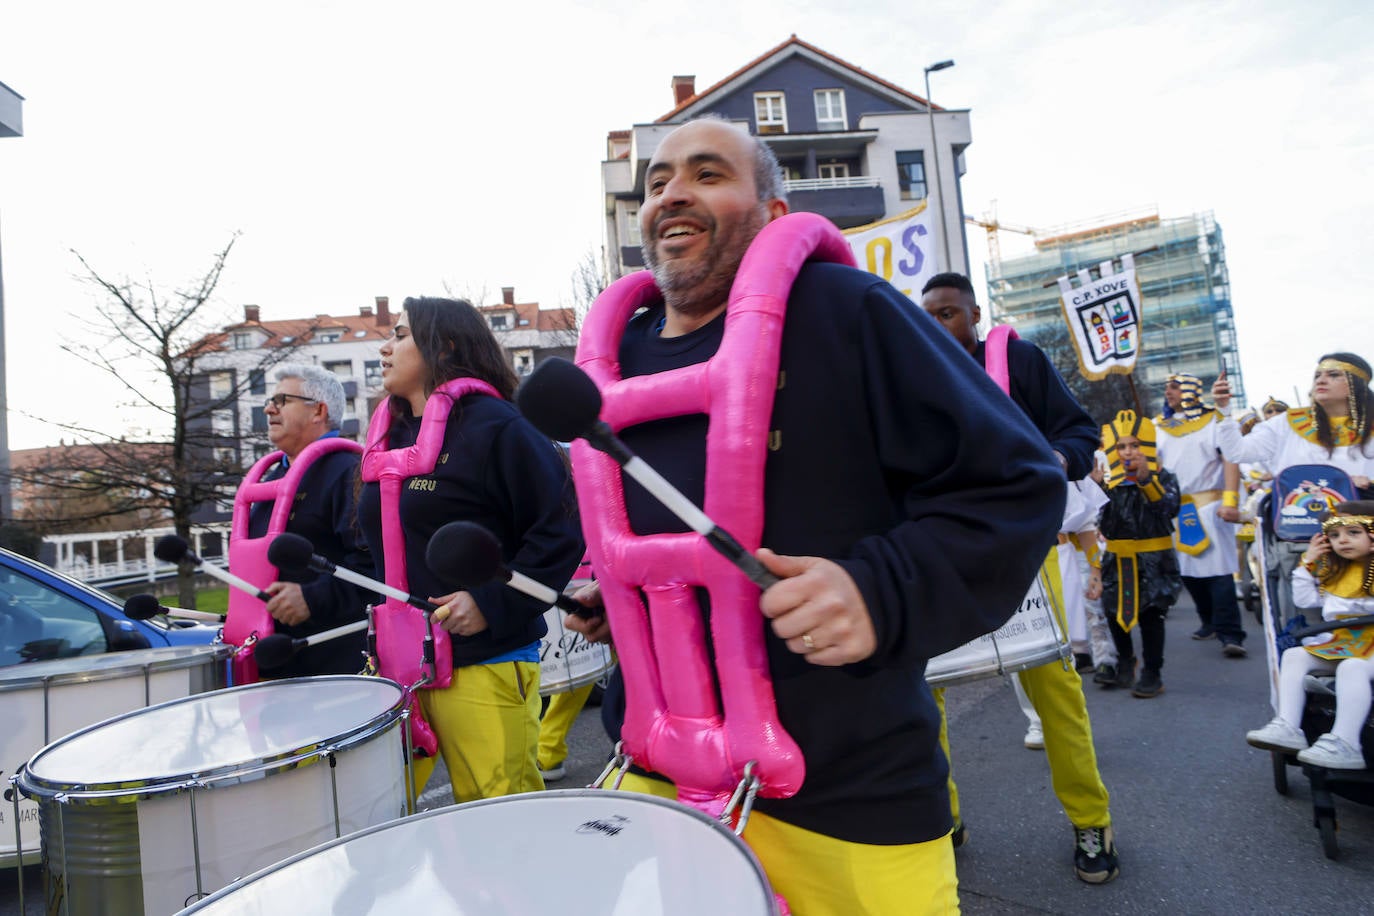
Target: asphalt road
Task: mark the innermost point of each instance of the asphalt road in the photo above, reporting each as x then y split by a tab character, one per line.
1199	824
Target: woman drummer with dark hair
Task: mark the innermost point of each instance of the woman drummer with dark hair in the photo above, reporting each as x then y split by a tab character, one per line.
462	451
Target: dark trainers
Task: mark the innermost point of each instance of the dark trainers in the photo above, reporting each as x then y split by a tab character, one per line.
1105	675
1149	684
1233	650
1125	673
1204	633
959	836
1082	661
1094	854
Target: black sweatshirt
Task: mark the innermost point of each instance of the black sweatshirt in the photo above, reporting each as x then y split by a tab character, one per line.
898	459
496	470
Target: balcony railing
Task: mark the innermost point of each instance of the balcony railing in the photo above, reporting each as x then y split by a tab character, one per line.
828	184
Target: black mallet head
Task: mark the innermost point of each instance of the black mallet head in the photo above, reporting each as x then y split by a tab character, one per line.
171	549
560	400
290	553
464	555
143	607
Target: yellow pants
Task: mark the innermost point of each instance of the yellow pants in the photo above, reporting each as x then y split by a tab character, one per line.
487	721
1056	692
558	718
821	876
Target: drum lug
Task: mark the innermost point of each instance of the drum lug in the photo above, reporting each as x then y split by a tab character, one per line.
619	763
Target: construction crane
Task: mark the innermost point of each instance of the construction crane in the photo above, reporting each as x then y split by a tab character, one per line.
993	225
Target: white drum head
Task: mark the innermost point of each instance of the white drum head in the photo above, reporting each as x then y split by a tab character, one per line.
573	852
237	732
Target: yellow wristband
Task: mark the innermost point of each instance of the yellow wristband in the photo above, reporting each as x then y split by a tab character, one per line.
1230	499
1092	552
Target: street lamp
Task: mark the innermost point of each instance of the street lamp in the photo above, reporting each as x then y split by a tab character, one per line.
935	154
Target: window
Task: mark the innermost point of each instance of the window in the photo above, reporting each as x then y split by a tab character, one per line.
242	340
340	367
222	422
770	112
833	170
226	457
523	360
911	174
259	420
499	322
372	373
257	381
328	336
631	235
39	623
830	109
221	385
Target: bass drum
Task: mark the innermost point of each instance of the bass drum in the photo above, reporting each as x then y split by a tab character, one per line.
576	852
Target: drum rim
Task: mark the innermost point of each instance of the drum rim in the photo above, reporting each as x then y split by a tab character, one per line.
42	789
189	656
1046	655
524	798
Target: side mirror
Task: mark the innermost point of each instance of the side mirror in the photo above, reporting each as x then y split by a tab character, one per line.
126	637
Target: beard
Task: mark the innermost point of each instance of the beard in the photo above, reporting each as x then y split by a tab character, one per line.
695	287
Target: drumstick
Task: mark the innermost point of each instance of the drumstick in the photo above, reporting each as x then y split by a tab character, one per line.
145	607
172	549
276	649
294	553
464	555
564	404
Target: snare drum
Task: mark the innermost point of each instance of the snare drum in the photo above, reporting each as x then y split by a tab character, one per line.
572	852
1033	636
150	811
566	660
45	700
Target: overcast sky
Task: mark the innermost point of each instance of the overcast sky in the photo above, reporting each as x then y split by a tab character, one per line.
367	149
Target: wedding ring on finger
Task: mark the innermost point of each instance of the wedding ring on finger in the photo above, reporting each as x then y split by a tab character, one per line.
808	642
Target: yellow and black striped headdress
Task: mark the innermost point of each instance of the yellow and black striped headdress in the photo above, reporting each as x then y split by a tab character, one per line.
1190	406
1128	424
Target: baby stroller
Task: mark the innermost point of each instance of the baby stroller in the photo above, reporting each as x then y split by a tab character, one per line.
1319	712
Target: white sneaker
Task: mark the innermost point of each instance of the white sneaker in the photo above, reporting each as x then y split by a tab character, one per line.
1333	753
1035	737
554	773
1278	735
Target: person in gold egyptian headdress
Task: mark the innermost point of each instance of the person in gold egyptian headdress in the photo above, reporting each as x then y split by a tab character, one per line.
1140	579
1338	571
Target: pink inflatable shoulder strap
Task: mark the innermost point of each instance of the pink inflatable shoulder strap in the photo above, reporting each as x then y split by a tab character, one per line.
673	721
995	355
400	627
247	615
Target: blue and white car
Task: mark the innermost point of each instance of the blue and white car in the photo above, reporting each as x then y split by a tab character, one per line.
45	615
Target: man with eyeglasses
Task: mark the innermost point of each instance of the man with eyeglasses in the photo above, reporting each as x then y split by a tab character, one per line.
304	409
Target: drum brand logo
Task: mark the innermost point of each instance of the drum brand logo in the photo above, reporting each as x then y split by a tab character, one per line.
609	826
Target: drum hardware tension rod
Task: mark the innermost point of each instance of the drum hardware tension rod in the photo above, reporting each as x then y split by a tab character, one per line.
18	838
411	792
331	753
195	841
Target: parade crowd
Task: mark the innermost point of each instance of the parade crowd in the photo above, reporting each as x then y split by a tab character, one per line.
866	452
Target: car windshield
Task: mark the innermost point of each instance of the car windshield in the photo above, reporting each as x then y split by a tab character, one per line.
38	623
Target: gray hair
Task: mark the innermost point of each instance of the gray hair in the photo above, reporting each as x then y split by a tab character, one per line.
318	385
769	180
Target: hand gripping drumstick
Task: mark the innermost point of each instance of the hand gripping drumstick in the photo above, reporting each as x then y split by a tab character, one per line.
276	649
296	554
464	555
293	552
172	549
564	404
145	607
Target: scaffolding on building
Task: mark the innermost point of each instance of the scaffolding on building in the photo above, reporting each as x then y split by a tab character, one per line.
1187	321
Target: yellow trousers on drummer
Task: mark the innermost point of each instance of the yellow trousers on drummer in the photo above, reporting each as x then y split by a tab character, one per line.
487	721
558	719
1056	692
821	876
